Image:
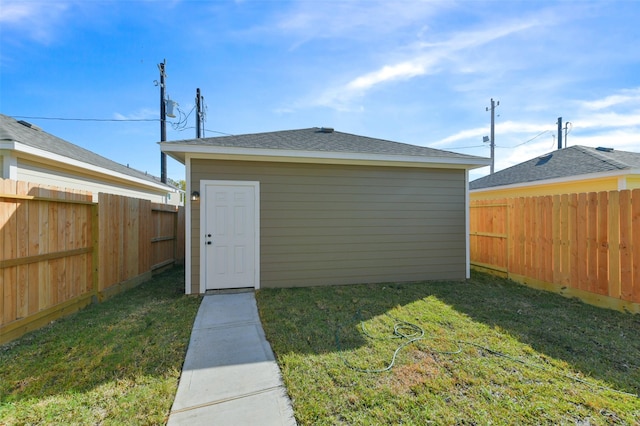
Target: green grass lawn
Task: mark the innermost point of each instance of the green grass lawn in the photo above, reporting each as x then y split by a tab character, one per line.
112	363
493	352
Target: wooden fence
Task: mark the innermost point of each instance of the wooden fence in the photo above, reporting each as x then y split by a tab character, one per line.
59	250
580	245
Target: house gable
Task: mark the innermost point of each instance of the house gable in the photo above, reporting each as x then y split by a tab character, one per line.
30	154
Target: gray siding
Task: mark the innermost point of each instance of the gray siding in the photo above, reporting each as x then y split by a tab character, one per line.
332	224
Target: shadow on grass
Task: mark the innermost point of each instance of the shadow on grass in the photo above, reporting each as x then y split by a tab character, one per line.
136	335
600	343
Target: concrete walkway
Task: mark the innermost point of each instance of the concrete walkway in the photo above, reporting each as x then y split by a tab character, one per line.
230	376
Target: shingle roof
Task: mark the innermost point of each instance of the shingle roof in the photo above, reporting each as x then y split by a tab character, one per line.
14	131
571	161
322	140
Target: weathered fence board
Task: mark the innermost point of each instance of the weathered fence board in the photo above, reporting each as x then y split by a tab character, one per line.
59	250
586	242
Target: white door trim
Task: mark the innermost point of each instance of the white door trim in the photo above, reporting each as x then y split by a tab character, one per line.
188	206
203	215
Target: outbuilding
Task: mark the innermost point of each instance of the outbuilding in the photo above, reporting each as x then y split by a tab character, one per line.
315	206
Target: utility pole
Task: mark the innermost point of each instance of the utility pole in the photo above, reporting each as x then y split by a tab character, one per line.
199	114
163	123
494	104
198	136
559	132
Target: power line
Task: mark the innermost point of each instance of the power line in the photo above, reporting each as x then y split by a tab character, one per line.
84	119
181	121
536	136
465	147
220	133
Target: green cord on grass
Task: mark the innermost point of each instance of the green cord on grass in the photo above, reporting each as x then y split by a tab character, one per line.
401	330
414	333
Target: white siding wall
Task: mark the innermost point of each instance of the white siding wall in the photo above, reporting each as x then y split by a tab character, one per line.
38	173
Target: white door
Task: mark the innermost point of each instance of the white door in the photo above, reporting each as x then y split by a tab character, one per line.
230	234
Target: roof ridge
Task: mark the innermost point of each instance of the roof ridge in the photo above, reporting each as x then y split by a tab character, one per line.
314	140
601	155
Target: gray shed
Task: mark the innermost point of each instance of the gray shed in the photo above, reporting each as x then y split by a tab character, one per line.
316	207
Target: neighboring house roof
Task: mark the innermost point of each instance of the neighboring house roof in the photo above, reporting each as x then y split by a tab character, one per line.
318	143
14	132
572	161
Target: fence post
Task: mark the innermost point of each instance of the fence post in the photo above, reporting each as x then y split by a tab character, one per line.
95	258
175	235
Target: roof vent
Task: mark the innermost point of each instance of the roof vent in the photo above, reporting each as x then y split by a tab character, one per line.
29	125
325	130
604	149
544	159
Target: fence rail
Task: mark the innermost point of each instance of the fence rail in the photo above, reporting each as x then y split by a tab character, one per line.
585	245
59	250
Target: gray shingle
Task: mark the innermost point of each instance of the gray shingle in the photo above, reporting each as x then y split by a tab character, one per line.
12	130
314	139
571	161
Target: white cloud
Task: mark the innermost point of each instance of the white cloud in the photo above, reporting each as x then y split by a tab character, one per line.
425	60
352	19
400	71
476	133
608	120
624	96
141	114
622	140
506	159
15	12
512	129
37	19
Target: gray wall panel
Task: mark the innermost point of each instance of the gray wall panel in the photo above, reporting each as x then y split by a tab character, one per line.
333	224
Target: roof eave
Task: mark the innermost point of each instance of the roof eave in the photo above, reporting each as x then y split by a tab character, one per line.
567	179
181	151
36	152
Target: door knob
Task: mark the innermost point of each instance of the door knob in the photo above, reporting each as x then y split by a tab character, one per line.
209	243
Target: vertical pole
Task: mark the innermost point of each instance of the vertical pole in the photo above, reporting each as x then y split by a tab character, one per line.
95	255
493	133
198	135
559	132
493	136
163	124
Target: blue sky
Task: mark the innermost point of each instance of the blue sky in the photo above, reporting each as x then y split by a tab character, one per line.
420	72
